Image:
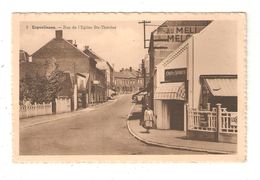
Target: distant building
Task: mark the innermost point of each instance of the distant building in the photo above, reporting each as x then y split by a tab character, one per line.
128	81
110	79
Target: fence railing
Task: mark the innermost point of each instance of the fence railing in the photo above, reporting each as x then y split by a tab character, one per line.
26	111
228	122
202	120
63	105
218	119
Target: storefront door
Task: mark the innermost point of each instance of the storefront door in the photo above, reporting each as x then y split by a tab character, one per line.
81	100
176	109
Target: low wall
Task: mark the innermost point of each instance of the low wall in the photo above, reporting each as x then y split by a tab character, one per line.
212	136
227	137
202	135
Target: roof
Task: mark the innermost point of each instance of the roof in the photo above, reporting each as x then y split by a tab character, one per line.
183	23
101	63
225	86
97	58
31	69
54	39
92	54
110	66
120	75
126	74
186	23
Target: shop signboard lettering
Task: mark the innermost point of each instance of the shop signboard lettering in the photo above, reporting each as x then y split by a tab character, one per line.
180	29
178	38
175	75
176	34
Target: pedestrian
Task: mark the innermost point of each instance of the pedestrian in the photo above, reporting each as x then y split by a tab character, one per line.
148	119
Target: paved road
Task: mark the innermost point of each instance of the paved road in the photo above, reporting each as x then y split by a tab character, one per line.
101	131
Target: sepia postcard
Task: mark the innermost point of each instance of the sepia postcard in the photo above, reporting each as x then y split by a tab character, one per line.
129	87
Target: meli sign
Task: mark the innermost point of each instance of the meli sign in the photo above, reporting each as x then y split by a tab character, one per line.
176	33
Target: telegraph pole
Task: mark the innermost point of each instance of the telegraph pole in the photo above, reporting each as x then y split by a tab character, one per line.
144	24
144	72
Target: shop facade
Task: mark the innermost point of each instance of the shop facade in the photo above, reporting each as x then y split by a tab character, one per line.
166	39
170	98
199	74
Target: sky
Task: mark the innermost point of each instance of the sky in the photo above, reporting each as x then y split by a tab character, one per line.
121	44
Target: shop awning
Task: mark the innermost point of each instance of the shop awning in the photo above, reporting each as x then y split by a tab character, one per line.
222	87
167	91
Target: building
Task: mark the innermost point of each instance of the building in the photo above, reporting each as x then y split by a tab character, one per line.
128	81
99	77
33	78
103	66
200	73
110	80
165	39
146	69
80	66
23	56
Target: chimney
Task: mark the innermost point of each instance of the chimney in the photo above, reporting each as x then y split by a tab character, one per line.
75	44
58	34
130	68
86	47
70	41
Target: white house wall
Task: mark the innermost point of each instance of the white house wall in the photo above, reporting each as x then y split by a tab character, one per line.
177	59
180	58
215	52
212	51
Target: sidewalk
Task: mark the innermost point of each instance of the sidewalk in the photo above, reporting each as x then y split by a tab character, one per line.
36	120
174	139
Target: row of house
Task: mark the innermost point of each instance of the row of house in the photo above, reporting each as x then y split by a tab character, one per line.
194	64
128	80
89	78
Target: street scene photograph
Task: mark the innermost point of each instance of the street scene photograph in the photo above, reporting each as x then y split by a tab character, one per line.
143	86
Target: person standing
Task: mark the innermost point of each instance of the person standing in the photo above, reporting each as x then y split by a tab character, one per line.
148	119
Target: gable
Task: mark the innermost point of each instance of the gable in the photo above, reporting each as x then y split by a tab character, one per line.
58	48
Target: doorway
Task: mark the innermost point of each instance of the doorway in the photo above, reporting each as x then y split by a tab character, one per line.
81	100
176	111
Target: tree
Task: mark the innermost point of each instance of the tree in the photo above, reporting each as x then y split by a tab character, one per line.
39	89
54	85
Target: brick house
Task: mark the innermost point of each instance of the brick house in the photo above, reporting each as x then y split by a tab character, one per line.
72	60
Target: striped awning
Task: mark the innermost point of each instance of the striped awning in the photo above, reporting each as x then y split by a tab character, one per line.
222	86
167	91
